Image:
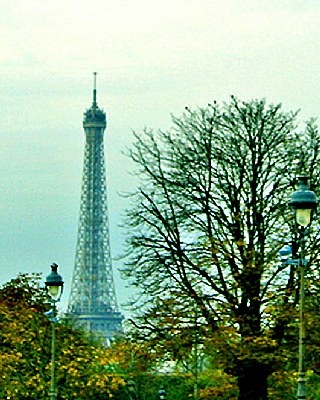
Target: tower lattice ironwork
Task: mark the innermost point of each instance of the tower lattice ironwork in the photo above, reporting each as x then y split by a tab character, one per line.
93	300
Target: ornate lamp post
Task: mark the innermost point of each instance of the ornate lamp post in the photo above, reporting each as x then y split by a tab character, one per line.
303	203
54	289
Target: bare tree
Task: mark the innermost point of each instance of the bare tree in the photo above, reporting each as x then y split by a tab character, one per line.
210	216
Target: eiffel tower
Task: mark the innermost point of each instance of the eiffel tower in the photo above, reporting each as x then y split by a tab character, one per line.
92	299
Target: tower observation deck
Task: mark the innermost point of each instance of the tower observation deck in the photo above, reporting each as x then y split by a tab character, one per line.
92	299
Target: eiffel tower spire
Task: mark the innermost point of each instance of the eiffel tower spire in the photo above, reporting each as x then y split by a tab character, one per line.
93	300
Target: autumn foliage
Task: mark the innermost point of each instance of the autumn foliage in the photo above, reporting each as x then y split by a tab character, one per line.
208	218
25	339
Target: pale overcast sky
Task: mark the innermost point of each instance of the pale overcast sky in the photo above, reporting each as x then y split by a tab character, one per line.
153	58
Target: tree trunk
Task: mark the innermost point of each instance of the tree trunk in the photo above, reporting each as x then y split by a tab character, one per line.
252	380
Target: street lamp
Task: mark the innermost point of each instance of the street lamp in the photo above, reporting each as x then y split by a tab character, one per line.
54	289
303	203
162	395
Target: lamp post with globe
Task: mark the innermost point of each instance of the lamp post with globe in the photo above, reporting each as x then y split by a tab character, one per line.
162	395
303	202
54	289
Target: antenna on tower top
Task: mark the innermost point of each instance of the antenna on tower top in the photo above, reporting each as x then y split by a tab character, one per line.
94	114
94	88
